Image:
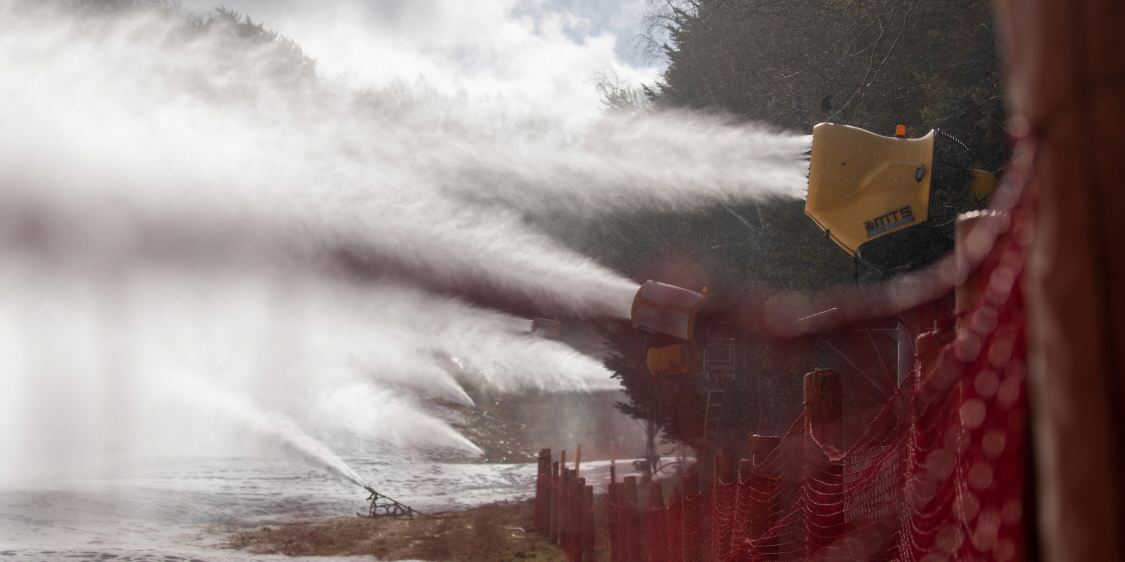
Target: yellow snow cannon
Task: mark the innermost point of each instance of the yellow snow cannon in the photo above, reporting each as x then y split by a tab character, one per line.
671	360
890	201
667	309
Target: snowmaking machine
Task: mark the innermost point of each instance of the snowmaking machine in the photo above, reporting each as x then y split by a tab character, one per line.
891	202
672	311
683	346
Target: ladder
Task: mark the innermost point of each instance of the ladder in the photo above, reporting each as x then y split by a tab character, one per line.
718	374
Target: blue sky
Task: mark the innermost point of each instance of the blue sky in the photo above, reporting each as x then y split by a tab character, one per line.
533	53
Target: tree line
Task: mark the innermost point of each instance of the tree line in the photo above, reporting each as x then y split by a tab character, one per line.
789	64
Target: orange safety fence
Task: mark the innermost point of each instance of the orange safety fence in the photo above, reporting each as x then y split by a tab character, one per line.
937	475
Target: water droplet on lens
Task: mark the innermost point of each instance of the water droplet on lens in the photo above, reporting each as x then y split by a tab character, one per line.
967	347
987	383
980	476
1012	513
992	444
972	413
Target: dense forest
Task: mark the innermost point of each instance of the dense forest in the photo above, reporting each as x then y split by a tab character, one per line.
789	64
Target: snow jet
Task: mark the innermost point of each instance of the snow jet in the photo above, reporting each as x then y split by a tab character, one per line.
193	222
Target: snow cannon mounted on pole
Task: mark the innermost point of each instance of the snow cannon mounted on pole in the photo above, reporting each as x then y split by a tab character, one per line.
891	202
671	311
689	349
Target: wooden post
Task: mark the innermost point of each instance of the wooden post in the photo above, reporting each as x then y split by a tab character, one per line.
656	495
724	466
539	495
632	520
723	499
824	407
561	491
674	526
578	519
690	484
553	524
968	292
612	508
588	530
761	446
565	488
824	412
765	508
657	519
745	466
744	504
691	517
542	491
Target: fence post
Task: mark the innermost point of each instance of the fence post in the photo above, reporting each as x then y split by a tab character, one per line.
578	518
743	505
568	516
588	530
721	531
542	490
673	526
824	407
823	477
611	518
657	542
765	503
632	521
553	516
562	507
622	522
761	446
559	522
691	519
611	511
724	466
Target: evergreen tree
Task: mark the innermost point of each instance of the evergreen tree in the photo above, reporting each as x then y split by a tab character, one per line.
873	64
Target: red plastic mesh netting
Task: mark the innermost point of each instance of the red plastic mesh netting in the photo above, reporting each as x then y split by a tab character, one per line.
938	474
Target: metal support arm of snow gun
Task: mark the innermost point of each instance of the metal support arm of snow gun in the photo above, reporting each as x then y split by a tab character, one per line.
384	506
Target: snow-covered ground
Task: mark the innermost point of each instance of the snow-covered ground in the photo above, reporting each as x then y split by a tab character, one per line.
179	511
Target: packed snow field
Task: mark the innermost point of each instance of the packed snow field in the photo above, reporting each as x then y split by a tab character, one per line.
182	510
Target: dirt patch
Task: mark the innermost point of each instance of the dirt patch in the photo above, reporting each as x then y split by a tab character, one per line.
500	532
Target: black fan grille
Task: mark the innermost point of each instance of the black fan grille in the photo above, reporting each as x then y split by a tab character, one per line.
951	181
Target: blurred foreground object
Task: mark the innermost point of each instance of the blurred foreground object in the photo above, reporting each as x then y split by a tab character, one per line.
1065	60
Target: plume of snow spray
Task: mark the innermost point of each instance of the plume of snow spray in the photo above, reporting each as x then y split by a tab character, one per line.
272	427
179	200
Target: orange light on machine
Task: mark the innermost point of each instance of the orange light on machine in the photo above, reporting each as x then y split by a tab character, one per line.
900	131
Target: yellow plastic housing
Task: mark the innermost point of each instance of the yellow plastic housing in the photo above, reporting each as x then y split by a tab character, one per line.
672	360
667	309
863	186
984	184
